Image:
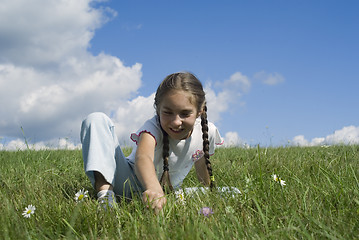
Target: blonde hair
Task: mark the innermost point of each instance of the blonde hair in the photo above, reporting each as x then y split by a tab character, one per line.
187	82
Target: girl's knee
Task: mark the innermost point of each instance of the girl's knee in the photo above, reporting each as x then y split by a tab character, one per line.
96	117
97	120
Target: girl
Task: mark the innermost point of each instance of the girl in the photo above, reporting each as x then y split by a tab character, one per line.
167	146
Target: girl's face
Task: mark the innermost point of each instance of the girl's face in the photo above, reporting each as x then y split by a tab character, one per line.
177	114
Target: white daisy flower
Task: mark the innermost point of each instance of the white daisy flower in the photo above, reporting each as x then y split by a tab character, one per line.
81	195
180	196
30	209
275	177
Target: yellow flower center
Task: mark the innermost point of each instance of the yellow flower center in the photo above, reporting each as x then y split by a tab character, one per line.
81	196
29	211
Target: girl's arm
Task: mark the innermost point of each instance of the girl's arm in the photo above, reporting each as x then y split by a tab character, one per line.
202	172
146	173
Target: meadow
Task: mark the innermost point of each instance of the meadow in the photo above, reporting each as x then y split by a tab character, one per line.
320	198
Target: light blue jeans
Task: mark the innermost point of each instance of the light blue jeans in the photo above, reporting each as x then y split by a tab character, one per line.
101	152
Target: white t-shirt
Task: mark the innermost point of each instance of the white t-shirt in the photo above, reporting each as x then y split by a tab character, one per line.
182	153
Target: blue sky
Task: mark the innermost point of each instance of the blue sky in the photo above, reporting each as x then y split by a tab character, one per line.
277	71
312	44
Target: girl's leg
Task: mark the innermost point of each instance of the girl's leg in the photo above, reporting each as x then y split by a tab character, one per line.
104	162
101	183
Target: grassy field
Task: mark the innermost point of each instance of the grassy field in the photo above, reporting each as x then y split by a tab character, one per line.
319	201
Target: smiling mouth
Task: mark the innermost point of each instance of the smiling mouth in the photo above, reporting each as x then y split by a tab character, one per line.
177	130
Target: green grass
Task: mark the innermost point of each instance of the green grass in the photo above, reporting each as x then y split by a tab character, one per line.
320	200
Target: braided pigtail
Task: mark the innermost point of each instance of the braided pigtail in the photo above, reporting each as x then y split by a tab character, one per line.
204	123
165	178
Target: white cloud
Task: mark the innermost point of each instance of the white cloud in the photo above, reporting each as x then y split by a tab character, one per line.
269	78
47	31
17	144
230	92
20	145
238	83
232	139
48	78
347	135
216	103
131	115
300	141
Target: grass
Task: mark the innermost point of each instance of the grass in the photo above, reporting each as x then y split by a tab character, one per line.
320	200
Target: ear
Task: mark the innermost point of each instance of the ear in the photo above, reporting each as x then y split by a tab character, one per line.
200	112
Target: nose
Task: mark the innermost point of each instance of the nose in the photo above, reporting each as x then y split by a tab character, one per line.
177	120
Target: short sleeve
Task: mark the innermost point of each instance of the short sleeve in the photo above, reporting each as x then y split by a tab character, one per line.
152	127
215	138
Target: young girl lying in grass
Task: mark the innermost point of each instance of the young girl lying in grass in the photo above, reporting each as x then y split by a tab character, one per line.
167	146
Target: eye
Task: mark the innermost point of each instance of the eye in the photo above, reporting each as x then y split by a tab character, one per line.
167	112
185	114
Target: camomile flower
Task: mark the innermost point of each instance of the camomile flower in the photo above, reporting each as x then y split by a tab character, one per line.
275	177
81	195
30	209
180	196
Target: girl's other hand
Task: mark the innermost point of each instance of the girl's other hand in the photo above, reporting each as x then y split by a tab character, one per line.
154	199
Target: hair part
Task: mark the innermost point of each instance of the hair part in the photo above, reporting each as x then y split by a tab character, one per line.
187	82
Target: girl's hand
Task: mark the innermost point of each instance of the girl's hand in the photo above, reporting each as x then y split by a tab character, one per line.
154	199
145	171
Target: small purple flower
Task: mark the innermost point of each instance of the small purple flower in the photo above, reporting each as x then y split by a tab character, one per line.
206	211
